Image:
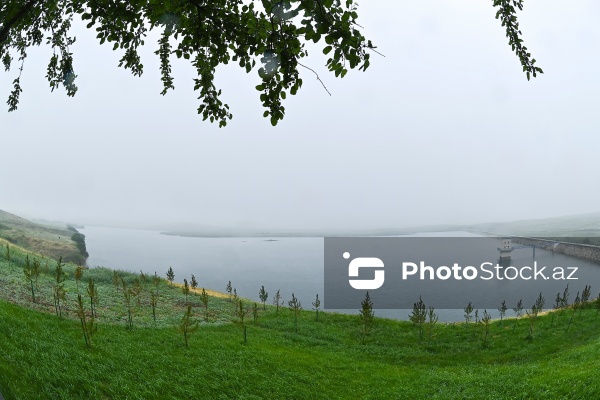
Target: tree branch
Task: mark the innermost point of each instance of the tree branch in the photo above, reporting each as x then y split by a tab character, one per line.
16	18
318	78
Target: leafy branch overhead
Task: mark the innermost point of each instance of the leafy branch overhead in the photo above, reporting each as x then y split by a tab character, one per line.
267	36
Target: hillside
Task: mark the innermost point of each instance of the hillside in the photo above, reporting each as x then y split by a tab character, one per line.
50	241
43	356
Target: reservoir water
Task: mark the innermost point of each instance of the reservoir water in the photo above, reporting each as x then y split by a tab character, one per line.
289	264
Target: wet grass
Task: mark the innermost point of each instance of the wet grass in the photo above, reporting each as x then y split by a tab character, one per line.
43	356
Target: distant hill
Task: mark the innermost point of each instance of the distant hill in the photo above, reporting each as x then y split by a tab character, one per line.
50	241
580	225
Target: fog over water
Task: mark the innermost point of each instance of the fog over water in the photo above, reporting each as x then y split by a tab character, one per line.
444	129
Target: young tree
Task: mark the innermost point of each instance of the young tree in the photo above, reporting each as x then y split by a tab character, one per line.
564	300
367	317
78	275
468	311
186	290
136	290
518	309
432	319
418	315
576	305
235	295
188	324
128	304
555	307
295	307
264	296
116	280
240	312
229	290
31	272
277	301
502	311
93	294
7	252
487	318
170	275
194	283
316	305
255	313
585	296
88	326
204	300
59	292
154	295
597	302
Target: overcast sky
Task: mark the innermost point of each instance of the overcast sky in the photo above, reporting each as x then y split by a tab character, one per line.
444	129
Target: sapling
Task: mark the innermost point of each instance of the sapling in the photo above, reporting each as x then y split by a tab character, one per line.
255	313
418	315
316	305
502	311
564	300
170	275
477	316
576	305
468	311
585	295
143	278
188	324
116	280
229	289
518	309
7	252
154	295
555	307
78	274
235	295
58	291
367	317
432	319
88	326
136	290
128	305
597	304
31	273
277	301
295	307
487	318
264	296
534	312
154	302
194	283
93	293
186	290
204	300
240	312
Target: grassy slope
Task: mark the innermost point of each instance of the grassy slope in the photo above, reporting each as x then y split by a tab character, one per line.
52	241
42	356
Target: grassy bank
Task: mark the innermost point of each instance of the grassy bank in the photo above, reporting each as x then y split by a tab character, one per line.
51	241
44	356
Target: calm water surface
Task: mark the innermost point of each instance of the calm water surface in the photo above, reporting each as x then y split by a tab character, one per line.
292	265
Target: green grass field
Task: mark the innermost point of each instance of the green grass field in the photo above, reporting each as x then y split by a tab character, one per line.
44	356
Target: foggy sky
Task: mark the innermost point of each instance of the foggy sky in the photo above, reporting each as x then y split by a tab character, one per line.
444	129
